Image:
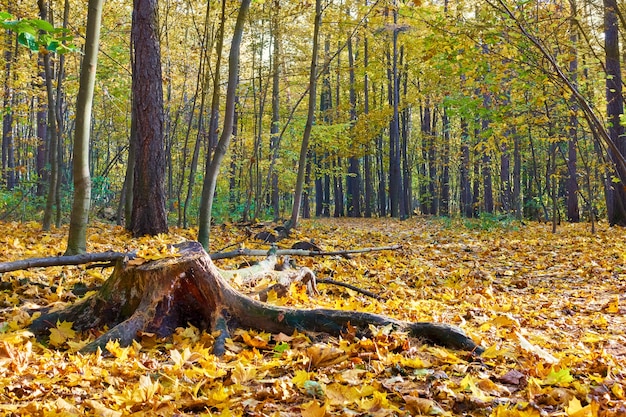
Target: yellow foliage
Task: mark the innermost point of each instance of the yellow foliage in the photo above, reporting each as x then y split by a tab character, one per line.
547	308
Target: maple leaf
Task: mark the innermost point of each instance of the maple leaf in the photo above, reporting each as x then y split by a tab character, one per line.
561	377
313	409
61	333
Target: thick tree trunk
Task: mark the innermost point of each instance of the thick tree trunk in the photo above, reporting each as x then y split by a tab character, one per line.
159	296
148	215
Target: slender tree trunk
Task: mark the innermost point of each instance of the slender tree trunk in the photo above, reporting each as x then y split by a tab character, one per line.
148	215
465	192
274	128
52	133
573	212
405	117
60	120
202	80
77	238
297	200
353	182
212	172
517	176
8	153
369	186
445	176
395	178
616	190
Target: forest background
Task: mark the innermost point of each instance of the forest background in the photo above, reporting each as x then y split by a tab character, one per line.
433	108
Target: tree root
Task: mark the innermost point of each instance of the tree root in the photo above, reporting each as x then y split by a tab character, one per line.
161	295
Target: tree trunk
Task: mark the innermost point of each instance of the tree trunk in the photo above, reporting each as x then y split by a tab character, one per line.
616	189
8	161
148	210
159	296
465	192
210	176
353	181
573	212
304	147
395	178
369	186
52	133
77	238
274	128
445	175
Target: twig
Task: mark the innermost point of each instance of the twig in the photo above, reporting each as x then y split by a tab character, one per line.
350	286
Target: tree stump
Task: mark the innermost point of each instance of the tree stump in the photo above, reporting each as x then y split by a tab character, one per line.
161	295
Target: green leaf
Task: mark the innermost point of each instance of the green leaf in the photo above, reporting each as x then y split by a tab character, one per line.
41	25
28	40
562	378
281	347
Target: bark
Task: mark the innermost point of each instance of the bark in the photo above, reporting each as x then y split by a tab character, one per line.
274	129
148	215
211	174
445	176
395	178
52	133
465	195
161	295
616	189
8	153
369	186
304	147
77	238
573	211
353	181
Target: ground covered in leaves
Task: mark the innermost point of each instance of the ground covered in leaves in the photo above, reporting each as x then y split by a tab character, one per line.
548	308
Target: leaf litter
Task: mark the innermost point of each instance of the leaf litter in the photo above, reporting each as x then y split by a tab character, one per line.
548	308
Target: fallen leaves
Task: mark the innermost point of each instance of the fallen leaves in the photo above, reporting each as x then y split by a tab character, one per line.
548	308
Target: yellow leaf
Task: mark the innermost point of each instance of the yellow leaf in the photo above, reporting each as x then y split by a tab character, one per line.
421	406
575	409
323	355
561	378
242	374
121	353
467	384
313	409
612	306
259	341
529	347
300	378
99	410
62	333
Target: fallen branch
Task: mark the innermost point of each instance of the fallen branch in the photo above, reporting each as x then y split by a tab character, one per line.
110	257
83	258
297	252
350	286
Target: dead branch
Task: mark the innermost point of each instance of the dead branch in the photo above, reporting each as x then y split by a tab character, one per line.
298	252
84	258
350	286
110	257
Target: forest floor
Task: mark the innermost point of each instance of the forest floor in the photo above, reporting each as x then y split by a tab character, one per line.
548	308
